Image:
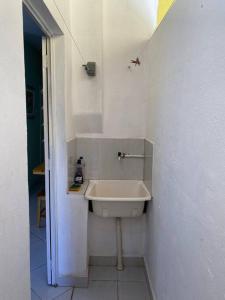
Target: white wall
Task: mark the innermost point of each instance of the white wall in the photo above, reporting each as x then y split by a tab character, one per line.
14	226
63	128
111	33
127	26
112	104
87	101
186	71
14	232
62	12
102	236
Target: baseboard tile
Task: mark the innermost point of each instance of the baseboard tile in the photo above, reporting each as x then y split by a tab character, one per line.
112	260
150	141
80	282
149	279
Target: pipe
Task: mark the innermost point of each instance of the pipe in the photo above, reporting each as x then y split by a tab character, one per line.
122	155
134	156
119	245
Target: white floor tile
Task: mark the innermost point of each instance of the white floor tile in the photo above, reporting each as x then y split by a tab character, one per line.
40	287
103	273
38	256
97	290
32	208
133	291
40	232
33	238
33	203
65	296
34	296
132	274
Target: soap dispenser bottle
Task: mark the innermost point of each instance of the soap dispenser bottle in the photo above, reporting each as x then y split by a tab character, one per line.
83	167
78	178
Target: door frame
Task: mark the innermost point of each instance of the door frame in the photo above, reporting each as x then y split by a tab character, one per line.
48	145
52	30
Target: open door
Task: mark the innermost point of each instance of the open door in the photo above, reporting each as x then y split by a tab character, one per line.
47	146
53	133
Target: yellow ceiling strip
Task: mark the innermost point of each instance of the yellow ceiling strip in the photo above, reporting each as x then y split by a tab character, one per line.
163	7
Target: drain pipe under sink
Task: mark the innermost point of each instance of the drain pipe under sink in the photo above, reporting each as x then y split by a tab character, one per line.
119	245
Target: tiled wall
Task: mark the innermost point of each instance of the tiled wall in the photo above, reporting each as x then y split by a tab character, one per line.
102	160
71	155
148	146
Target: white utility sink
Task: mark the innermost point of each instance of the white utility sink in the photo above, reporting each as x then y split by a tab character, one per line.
117	198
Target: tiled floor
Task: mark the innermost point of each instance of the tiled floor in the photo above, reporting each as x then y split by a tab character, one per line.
38	260
37	238
40	287
105	283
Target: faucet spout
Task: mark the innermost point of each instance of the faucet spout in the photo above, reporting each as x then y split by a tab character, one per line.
121	155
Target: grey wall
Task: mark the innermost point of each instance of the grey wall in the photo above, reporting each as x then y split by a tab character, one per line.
148	162
71	158
185	67
101	157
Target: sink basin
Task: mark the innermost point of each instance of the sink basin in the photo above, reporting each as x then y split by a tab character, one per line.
117	198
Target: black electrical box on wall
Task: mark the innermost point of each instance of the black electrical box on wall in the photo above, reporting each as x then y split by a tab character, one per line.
90	68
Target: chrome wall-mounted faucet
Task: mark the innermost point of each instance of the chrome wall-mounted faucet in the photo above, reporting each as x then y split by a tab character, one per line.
122	155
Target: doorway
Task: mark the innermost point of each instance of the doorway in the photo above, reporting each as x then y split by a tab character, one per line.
37	80
53	77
